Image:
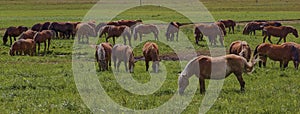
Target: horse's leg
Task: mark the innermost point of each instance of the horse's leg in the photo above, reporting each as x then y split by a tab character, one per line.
232	29
241	81
45	47
147	64
141	35
279	40
202	84
284	39
126	68
118	66
285	64
48	43
129	39
177	35
114	40
172	37
269	38
124	38
39	44
264	39
10	40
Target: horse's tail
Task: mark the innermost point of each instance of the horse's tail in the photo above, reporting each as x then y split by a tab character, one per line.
5	37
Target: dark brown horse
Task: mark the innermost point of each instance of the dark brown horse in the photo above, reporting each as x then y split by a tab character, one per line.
282	53
216	68
117	31
41	26
123	53
229	24
128	23
104	30
251	27
151	53
296	45
62	27
240	48
13	32
280	32
103	55
42	37
26	46
212	31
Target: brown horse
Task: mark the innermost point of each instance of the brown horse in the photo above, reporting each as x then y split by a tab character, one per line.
117	31
222	27
41	26
205	67
129	23
28	34
229	24
282	53
85	30
123	53
103	55
103	30
296	46
62	27
42	37
74	28
145	29
212	31
280	32
26	46
173	28
251	27
151	53
240	48
13	32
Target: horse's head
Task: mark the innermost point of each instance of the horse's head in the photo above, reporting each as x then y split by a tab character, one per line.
5	40
183	82
246	30
295	32
22	28
11	52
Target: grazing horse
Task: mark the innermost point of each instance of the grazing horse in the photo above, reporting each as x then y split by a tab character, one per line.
117	31
99	27
74	28
37	27
103	55
129	23
229	24
43	36
205	67
85	30
28	34
13	32
62	27
240	48
251	27
282	53
104	30
212	31
173	28
222	27
145	29
26	46
280	32
151	53
123	53
296	46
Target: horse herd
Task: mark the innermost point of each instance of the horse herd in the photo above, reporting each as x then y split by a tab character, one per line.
237	61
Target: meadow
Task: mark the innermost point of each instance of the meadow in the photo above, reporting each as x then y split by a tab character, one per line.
45	84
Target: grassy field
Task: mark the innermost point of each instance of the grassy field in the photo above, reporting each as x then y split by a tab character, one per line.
45	84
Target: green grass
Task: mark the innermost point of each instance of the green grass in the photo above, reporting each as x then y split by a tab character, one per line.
45	84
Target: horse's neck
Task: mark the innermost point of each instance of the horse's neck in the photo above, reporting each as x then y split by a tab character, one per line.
191	68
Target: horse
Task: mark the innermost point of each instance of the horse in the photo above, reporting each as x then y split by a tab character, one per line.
62	27
37	27
103	30
85	30
298	49
251	27
281	53
240	48
103	55
222	27
74	28
99	27
26	46
117	31
130	23
230	24
281	32
27	34
205	67
123	53
13	32
209	30
145	29
43	36
151	53
173	28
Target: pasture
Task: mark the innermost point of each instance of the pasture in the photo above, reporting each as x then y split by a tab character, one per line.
45	84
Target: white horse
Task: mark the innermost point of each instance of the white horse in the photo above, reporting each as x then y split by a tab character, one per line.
205	67
145	29
123	53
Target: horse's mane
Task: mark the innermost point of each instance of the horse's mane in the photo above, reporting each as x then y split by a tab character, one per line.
35	35
187	67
